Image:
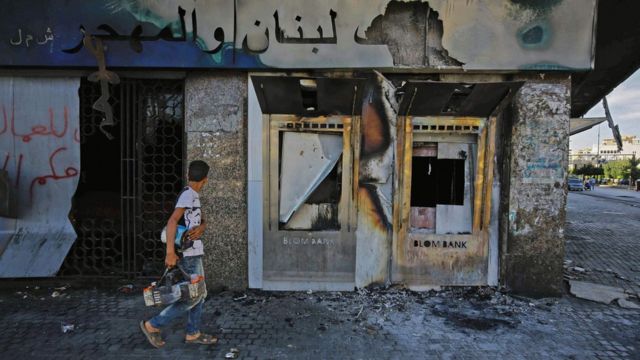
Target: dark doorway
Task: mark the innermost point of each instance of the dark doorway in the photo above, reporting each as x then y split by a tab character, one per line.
437	181
128	183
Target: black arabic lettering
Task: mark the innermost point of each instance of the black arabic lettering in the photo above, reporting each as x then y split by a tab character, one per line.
135	41
298	18
78	47
256	47
361	40
218	34
281	38
194	26
136	37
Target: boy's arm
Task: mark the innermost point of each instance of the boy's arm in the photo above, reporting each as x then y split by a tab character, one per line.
198	231
172	226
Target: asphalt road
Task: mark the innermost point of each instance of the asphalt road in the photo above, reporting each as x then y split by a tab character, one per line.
617	195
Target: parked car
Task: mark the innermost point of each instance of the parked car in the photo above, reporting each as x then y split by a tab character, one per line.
575	184
624	182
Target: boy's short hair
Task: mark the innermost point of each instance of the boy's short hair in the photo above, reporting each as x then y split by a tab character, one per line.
198	170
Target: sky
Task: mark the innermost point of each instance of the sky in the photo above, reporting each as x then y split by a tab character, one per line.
624	105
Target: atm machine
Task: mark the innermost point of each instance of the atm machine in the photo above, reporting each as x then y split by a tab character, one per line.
308	181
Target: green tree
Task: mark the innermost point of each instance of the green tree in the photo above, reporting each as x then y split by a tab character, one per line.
623	169
616	169
588	170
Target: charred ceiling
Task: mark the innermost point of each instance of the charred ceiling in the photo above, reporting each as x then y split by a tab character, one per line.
329	96
616	55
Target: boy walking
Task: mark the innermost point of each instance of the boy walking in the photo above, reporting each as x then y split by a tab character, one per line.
187	213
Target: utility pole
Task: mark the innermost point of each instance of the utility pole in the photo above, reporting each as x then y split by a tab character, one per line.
598	153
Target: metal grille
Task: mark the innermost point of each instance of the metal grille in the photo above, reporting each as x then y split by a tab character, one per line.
128	184
443	125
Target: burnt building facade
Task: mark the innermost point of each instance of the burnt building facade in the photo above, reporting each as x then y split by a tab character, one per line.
350	142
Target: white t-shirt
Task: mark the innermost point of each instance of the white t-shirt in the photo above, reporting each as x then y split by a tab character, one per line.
190	201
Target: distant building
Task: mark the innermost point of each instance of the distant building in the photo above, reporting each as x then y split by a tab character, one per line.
581	157
608	149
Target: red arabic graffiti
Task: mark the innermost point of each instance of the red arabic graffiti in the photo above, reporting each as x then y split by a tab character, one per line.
38	130
69	172
53	130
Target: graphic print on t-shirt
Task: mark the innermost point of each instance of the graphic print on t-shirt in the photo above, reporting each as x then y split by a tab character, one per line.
190	202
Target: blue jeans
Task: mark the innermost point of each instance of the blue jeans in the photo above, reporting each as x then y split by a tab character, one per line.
192	265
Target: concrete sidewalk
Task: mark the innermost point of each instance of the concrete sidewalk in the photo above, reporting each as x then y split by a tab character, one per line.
392	324
459	323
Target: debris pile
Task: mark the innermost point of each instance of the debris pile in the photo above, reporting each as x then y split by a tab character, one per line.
604	294
368	309
232	354
573	272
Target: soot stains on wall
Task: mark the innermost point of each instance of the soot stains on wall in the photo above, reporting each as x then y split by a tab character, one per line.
413	32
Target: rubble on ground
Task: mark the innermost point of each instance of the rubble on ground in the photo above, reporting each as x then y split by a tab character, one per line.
603	294
368	309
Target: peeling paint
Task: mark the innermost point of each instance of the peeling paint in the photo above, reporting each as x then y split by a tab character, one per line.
539	157
416	38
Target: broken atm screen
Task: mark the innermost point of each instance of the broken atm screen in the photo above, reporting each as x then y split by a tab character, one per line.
310	181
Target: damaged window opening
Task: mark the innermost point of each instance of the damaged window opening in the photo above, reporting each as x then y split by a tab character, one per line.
310	181
321	205
433	182
436	181
450	181
423	181
328	192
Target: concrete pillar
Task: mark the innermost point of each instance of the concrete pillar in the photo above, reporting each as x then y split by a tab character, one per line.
537	194
215	106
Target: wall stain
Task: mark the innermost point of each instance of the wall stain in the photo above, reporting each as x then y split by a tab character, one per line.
413	32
